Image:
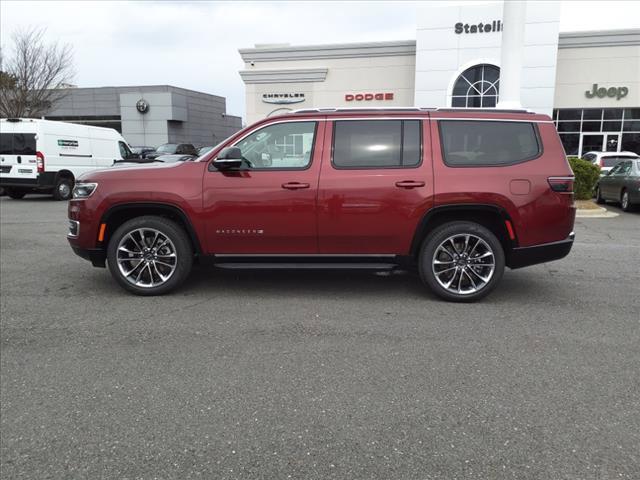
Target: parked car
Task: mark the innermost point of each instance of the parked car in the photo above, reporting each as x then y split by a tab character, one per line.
203	150
607	160
621	184
160	159
46	156
446	191
173	149
142	152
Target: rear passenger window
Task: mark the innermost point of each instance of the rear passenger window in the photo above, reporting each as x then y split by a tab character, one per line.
6	144
376	144
24	144
483	143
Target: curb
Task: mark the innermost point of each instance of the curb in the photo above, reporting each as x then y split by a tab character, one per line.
595	213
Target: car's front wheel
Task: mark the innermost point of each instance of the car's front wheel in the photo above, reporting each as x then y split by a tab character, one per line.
150	255
461	261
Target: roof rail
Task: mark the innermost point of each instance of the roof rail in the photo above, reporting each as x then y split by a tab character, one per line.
406	109
360	109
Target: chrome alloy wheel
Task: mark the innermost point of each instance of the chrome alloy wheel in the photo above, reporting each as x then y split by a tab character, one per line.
146	257
463	264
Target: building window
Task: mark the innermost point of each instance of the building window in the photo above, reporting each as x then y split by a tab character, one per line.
598	129
477	87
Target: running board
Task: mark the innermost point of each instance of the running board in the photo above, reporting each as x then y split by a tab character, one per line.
306	266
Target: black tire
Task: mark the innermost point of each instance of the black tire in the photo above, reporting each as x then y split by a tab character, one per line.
459	230
625	203
180	242
15	193
599	198
63	189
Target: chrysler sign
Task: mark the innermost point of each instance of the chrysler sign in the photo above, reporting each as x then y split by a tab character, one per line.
282	98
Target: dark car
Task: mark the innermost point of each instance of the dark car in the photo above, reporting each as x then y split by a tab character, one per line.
150	161
203	150
621	184
173	149
447	192
142	152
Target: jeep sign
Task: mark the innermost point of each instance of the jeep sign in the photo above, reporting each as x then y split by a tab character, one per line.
618	92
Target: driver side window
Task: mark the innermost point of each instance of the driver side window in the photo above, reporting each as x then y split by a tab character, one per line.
286	145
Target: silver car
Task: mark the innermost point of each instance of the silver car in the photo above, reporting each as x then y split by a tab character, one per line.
621	184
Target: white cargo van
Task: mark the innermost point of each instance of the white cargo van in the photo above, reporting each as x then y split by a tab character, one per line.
46	156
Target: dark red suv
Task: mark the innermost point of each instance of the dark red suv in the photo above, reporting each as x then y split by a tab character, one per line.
459	194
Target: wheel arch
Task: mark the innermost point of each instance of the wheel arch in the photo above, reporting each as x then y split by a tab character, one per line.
492	217
65	174
118	214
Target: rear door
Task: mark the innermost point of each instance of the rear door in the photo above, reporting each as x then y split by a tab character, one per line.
375	184
18	152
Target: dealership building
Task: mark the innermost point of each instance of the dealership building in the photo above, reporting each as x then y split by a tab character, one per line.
149	115
589	82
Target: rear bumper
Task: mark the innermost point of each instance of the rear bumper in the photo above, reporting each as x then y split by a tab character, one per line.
547	252
42	181
97	256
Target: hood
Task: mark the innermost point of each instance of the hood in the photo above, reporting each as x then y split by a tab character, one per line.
125	170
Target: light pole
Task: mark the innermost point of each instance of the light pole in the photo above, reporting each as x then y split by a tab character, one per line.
513	18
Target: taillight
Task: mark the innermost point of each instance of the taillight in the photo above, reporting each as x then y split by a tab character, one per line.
40	160
601	162
561	184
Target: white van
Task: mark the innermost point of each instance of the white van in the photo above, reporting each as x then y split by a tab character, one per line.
46	156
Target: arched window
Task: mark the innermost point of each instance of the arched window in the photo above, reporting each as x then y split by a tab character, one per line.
477	86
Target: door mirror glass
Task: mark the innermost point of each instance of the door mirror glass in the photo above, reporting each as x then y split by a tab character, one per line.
230	157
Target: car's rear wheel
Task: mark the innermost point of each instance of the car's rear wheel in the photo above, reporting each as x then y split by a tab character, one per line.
599	198
461	261
150	255
625	203
16	193
63	189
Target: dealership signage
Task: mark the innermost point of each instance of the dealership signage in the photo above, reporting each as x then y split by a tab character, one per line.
282	98
494	26
142	106
358	97
601	92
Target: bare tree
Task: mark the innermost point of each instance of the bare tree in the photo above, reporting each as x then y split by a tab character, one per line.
34	74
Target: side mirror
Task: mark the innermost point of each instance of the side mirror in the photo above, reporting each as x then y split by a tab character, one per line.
230	157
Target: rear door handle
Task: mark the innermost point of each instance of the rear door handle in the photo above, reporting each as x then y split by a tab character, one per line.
409	184
295	185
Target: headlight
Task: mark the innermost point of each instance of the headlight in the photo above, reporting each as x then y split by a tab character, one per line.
84	190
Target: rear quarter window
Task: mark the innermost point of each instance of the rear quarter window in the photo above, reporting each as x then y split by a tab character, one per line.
476	143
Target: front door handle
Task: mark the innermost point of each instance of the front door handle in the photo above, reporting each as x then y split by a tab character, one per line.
295	185
409	184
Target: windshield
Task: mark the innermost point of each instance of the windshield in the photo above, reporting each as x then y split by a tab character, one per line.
167	148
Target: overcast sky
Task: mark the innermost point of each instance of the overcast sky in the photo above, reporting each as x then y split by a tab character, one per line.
194	44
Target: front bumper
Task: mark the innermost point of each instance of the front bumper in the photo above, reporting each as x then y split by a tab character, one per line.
547	252
97	256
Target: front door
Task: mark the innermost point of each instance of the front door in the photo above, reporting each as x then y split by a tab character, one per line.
611	142
268	206
591	142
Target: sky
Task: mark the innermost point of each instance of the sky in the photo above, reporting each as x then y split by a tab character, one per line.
194	44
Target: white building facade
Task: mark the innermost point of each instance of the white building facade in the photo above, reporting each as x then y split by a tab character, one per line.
588	82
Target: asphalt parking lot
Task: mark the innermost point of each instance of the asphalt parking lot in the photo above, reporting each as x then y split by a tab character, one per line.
317	375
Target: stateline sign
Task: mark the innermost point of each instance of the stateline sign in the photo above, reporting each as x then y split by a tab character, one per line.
494	26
